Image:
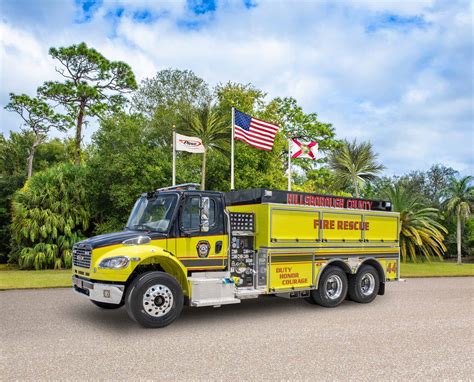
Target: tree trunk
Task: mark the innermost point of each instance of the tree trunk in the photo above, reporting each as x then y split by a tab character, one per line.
356	186
459	237
30	163
203	170
80	121
32	156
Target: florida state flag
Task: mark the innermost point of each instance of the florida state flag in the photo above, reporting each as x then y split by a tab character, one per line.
300	149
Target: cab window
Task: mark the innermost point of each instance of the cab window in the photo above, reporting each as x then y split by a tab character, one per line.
191	219
212	213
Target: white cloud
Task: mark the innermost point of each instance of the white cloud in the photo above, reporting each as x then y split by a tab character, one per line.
408	7
396	73
23	60
24	65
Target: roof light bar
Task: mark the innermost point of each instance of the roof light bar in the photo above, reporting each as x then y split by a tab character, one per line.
184	186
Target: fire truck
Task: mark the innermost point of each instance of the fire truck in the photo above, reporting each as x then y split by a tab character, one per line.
182	246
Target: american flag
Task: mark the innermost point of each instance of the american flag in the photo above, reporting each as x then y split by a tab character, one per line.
255	132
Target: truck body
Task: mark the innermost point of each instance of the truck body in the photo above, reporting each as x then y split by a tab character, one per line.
182	246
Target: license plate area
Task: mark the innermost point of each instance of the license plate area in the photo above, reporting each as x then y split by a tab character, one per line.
82	284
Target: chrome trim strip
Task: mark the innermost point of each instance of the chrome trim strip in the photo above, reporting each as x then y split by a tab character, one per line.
109	293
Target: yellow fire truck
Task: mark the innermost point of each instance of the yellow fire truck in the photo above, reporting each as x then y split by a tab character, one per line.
201	248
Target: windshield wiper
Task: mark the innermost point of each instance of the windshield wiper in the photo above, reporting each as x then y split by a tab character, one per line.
139	227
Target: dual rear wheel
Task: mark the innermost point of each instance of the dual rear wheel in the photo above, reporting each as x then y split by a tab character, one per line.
334	286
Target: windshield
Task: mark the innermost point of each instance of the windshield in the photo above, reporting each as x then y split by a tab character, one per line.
152	214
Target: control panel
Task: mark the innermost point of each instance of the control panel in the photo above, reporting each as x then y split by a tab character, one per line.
242	248
242	222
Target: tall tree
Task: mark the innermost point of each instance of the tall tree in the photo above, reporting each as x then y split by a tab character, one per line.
420	233
209	125
246	98
93	85
253	167
459	200
438	178
170	90
306	126
355	164
429	185
124	161
38	116
164	97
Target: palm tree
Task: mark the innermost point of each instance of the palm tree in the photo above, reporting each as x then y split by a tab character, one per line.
354	164
419	230
459	199
49	214
211	127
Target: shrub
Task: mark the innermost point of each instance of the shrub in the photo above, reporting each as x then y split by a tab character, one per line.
50	214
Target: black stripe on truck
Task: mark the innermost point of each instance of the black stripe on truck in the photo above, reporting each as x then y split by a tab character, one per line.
204	263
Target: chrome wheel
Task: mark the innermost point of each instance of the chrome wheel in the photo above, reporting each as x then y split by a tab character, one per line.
333	287
158	300
367	284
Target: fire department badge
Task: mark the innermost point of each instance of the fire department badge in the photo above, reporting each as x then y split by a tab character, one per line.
203	248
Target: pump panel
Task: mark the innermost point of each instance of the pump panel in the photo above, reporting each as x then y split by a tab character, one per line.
242	248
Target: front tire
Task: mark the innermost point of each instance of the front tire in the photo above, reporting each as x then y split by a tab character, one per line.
332	288
364	285
154	299
106	305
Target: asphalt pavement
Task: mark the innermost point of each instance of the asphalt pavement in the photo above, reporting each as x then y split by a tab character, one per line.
421	329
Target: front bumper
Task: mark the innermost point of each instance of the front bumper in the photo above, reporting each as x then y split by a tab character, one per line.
109	293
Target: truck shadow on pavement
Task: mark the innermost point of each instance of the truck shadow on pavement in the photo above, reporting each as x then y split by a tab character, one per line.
111	320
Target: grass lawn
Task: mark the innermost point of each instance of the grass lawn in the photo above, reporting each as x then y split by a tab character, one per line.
11	278
435	269
16	279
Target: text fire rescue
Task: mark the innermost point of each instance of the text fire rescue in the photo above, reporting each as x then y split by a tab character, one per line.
347	225
328	201
289	277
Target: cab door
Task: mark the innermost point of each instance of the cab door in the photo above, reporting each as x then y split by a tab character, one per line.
202	240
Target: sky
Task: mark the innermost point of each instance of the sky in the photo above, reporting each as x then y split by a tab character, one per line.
396	73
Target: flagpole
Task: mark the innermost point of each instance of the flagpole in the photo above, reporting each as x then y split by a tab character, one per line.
289	164
174	156
232	153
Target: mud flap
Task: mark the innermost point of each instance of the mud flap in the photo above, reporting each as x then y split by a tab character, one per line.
381	289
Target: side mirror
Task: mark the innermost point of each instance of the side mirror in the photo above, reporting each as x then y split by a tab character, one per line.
204	214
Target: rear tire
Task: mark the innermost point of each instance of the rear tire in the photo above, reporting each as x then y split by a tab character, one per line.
364	285
332	288
106	305
154	299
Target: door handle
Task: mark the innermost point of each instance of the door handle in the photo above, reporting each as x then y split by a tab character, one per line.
218	246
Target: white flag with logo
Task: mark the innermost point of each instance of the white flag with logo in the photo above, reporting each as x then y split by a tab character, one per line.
189	144
301	149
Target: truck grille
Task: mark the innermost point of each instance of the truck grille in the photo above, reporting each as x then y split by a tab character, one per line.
81	256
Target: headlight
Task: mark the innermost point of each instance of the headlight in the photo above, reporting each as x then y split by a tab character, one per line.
139	240
117	262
